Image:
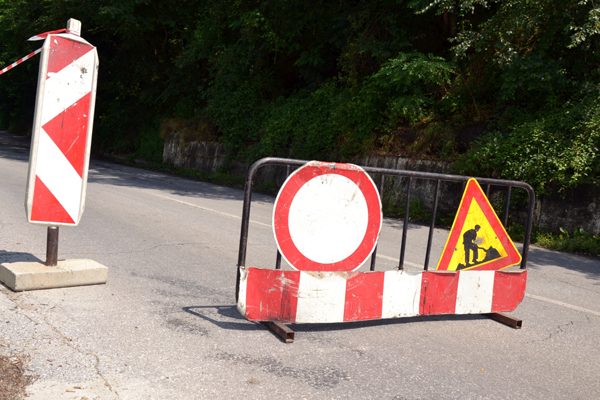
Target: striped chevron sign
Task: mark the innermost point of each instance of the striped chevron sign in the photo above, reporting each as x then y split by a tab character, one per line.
326	297
62	130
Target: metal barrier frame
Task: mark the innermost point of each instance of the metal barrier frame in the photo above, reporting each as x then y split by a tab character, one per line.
285	333
287	162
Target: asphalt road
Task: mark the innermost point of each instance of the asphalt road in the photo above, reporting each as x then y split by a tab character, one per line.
165	326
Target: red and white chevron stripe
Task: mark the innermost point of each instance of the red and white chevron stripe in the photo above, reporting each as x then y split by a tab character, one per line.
62	131
324	297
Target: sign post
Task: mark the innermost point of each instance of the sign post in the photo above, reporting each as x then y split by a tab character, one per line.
52	247
60	152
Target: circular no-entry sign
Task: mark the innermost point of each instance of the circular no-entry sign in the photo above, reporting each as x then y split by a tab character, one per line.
327	217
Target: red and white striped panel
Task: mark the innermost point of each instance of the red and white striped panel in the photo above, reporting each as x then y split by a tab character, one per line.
62	131
324	297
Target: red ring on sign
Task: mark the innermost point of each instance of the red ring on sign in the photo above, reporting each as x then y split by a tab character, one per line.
281	212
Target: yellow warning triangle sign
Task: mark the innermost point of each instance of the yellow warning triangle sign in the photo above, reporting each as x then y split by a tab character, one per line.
477	239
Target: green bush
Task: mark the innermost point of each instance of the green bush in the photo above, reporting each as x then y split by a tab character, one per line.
333	79
407	86
579	242
533	82
304	126
552	149
333	121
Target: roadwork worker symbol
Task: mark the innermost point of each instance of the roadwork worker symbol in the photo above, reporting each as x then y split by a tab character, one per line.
471	243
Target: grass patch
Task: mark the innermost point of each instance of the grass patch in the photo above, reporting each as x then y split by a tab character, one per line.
579	242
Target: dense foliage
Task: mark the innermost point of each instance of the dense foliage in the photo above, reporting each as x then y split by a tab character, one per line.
332	79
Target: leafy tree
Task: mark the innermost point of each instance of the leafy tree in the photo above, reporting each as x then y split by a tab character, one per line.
332	79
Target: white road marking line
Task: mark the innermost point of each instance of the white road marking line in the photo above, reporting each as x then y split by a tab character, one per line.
412	264
260	223
560	303
207	209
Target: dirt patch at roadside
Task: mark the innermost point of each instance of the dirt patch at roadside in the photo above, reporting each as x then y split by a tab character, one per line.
12	379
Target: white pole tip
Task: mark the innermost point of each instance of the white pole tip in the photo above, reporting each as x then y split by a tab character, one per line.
74	26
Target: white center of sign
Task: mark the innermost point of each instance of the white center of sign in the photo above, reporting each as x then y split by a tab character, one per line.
328	218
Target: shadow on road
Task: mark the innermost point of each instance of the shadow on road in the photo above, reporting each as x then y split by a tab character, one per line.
342	326
9	256
14	147
228	317
225	317
104	172
589	265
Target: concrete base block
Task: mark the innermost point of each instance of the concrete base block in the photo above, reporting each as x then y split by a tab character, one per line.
20	276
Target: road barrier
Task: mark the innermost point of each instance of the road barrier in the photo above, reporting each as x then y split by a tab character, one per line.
59	159
325	286
62	132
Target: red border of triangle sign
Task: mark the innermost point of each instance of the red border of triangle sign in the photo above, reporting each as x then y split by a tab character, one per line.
508	255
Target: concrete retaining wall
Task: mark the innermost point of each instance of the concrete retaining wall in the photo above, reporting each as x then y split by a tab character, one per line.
578	208
204	156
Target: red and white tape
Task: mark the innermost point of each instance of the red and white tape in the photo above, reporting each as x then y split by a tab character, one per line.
42	36
325	297
27	57
39	36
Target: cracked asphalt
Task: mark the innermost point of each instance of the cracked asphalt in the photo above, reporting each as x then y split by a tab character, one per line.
165	326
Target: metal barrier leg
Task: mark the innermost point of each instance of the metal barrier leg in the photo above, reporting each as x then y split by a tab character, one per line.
506	319
281	330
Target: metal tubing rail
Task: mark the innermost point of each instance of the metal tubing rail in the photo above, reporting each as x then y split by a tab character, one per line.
392	172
